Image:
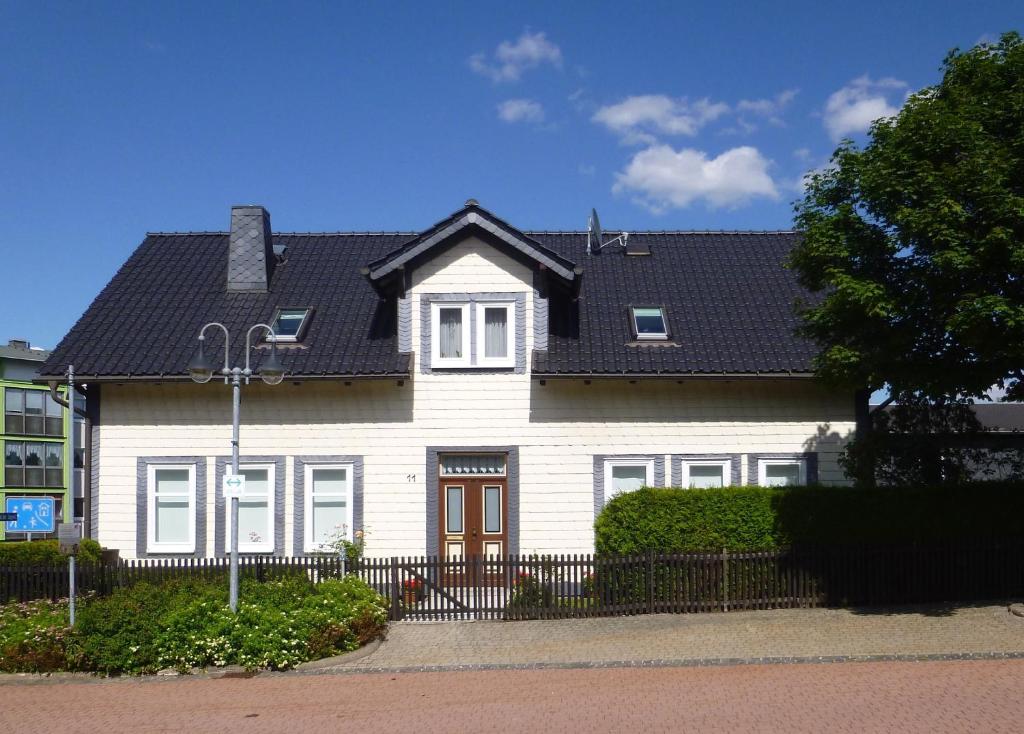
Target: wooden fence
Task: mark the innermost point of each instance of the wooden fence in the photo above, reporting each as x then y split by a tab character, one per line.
561	586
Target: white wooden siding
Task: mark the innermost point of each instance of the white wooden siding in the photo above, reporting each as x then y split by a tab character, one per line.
558	428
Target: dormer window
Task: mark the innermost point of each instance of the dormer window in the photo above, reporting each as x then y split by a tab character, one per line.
649	323
451	334
474	334
289	324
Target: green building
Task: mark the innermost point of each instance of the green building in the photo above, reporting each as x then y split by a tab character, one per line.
38	438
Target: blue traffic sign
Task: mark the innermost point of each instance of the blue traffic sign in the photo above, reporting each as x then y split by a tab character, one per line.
35	515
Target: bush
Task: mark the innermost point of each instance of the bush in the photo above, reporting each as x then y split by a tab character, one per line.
763	518
44	552
186	623
32	637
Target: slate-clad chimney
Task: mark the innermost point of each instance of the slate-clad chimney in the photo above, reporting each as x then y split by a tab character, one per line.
250	249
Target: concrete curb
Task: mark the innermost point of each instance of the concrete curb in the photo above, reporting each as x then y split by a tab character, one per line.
675	663
349	657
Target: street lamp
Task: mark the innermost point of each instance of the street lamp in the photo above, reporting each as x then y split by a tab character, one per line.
201	369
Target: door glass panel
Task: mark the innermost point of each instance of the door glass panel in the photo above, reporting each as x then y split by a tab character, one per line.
492	548
453	550
454	510
627	478
492	509
782	475
707	476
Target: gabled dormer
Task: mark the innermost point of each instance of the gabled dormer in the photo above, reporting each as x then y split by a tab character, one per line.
472	293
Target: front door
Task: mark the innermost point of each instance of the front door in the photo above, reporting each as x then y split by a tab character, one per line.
473	505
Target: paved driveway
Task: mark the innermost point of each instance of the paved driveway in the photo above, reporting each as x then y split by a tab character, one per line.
962	696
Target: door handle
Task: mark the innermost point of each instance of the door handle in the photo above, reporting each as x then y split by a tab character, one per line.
474	532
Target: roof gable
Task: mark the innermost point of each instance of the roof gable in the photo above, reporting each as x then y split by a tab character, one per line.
470	219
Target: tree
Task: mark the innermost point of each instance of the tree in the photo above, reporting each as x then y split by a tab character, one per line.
915	242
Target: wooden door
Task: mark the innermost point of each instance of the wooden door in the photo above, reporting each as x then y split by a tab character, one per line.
473	518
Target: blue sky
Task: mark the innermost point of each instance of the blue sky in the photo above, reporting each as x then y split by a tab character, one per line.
122	118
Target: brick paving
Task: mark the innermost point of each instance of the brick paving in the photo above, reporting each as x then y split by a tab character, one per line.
689	638
957	696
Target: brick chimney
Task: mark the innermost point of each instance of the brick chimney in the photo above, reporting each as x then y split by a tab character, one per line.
250	250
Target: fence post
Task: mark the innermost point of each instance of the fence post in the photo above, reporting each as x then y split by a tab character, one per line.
396	591
650	580
725	580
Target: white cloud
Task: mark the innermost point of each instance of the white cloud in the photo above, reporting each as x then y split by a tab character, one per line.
512	59
521	110
636	119
802	154
771	108
853	108
661	177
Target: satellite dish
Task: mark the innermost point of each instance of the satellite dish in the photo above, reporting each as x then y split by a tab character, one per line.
595	233
595	237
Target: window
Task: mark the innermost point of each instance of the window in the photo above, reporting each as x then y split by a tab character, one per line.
451	330
495	345
28	464
32	413
649	323
781	472
171	514
627	475
255	511
450	327
328	505
699	474
453	465
289	324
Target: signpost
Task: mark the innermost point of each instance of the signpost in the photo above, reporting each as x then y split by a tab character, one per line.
234	486
30	515
69	535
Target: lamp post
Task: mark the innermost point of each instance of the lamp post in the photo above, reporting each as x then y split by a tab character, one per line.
201	369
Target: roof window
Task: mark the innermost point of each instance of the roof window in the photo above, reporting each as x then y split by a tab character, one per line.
649	322
289	324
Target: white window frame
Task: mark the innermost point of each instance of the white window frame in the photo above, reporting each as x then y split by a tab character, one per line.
436	360
308	546
152	546
610	464
725	464
267	544
510	330
298	332
661	336
763	464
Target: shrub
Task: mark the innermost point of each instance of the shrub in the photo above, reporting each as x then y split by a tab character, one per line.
44	552
762	518
32	637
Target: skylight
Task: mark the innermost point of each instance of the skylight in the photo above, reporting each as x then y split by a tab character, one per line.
289	324
649	323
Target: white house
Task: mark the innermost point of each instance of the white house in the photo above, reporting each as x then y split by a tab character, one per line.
467	389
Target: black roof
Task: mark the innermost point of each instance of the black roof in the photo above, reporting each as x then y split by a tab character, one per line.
728	298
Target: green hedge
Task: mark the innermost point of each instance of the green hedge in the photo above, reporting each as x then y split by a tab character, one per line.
761	518
44	552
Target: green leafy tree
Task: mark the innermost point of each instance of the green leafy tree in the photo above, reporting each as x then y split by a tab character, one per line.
915	242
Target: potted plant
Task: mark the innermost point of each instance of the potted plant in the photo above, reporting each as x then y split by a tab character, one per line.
412	591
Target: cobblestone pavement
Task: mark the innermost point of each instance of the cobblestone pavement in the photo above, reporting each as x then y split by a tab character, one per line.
952	696
680	638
